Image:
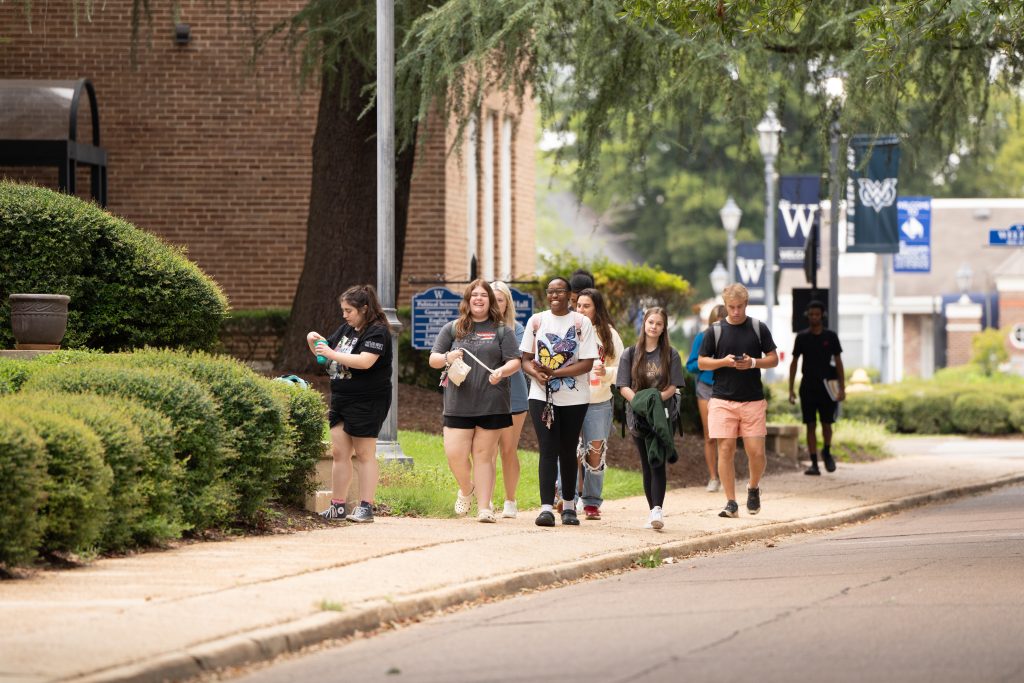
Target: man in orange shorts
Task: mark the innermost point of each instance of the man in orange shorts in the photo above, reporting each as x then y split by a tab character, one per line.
737	351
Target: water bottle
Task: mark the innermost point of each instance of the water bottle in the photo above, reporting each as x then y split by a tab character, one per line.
322	360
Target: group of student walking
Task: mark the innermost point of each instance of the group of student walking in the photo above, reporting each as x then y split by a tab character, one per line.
572	356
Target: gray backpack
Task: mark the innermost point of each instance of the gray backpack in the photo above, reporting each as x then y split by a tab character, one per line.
717	327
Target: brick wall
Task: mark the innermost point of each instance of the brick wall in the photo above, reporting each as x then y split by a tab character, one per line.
912	340
215	156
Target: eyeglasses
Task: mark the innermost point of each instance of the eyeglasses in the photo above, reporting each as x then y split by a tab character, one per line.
557	292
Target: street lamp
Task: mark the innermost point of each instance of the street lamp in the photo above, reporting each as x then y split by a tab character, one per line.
835	93
731	214
964	275
719	279
768	132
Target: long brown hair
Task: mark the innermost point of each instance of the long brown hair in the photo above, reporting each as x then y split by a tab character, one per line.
465	321
637	378
602	321
365	295
717	313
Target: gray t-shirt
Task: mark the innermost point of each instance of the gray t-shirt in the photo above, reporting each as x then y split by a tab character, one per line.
476	395
650	371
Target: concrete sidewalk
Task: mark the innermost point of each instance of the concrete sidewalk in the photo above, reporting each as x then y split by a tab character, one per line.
175	614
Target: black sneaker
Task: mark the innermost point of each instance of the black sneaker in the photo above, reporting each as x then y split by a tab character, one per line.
753	501
569	518
362	514
545	518
731	509
813	469
826	457
335	513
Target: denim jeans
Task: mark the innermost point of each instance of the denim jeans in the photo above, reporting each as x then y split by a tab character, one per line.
596	426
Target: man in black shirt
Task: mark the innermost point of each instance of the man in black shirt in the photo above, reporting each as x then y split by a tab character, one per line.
736	351
822	385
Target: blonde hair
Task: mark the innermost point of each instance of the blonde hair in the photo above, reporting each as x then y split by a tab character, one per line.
510	304
717	313
735	292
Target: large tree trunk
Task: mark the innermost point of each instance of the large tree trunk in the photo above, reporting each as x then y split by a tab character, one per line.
341	238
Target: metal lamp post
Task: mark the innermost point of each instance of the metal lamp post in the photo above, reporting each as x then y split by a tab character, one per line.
719	279
964	275
769	131
731	214
835	91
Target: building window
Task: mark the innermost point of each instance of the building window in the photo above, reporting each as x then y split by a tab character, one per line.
505	200
472	208
487	160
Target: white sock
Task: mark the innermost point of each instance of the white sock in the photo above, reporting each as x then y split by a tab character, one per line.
547	508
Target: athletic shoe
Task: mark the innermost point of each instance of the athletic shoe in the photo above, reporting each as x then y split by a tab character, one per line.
813	469
580	507
486	515
731	509
545	518
592	512
510	510
656	521
569	518
335	513
826	457
362	514
753	501
713	485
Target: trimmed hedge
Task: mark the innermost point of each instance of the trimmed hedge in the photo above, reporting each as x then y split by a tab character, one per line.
14	373
200	439
927	413
981	414
128	288
307	415
1016	414
76	504
885	409
23	477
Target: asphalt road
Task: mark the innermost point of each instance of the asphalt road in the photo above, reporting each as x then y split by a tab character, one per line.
934	594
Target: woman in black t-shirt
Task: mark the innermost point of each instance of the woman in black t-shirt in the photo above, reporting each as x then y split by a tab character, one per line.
358	357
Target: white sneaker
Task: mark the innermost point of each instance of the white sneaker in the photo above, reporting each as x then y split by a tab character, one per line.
510	510
656	521
713	485
579	506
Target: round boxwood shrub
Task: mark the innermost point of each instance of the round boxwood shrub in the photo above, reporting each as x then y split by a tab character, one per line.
980	414
199	435
127	287
22	482
872	406
77	504
927	413
1015	411
307	416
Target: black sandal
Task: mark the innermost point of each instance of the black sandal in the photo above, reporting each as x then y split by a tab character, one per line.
569	518
545	518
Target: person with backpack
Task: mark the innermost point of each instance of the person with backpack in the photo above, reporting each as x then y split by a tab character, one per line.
822	385
597	424
737	349
358	357
705	381
648	376
559	347
477	408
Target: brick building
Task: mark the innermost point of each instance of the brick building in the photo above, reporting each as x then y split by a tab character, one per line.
214	155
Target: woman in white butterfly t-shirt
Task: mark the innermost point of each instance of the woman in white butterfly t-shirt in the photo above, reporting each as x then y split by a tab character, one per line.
559	348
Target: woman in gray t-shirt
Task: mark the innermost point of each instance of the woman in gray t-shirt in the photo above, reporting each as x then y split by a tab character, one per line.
476	410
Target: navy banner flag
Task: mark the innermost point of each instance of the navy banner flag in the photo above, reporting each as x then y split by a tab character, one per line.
871	191
799	213
750	269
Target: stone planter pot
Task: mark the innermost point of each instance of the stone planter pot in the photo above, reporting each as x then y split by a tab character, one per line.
39	320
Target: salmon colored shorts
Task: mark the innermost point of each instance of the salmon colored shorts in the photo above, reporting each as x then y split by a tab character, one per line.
730	419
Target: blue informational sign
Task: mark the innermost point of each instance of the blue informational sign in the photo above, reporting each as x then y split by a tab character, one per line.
430	311
524	305
1012	236
750	269
799	212
914	217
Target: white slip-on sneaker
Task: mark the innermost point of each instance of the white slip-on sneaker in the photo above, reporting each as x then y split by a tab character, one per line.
510	510
656	518
713	485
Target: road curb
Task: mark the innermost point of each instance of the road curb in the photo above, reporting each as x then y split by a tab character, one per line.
267	643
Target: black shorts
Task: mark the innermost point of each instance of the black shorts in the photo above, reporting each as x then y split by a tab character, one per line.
815	405
359	416
482	421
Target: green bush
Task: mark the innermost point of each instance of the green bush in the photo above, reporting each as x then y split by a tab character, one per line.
22	482
199	434
874	406
76	492
307	417
981	414
127	287
1015	415
243	330
927	413
13	373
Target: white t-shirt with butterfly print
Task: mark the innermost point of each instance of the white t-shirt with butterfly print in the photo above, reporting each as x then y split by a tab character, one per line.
557	341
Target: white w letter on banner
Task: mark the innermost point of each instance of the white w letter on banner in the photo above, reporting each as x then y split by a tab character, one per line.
750	269
797	216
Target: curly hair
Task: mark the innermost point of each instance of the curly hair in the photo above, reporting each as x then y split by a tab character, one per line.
464	324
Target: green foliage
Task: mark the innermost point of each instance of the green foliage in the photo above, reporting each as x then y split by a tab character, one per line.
127	287
243	330
413	364
13	373
875	406
1015	414
988	350
981	414
23	478
307	417
649	560
927	413
199	434
76	491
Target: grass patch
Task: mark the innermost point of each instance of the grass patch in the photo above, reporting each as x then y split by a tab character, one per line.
428	488
852	440
651	560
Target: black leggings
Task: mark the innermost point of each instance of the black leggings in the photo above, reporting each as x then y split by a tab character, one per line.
655	480
557	448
